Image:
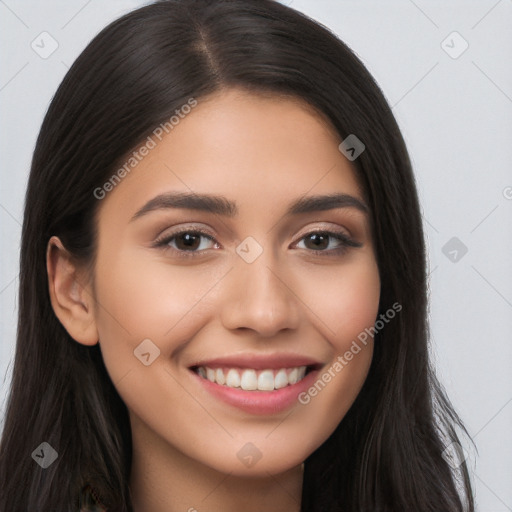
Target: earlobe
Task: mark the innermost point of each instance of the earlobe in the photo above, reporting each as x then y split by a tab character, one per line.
70	295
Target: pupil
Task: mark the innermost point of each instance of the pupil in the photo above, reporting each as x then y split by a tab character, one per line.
319	240
190	241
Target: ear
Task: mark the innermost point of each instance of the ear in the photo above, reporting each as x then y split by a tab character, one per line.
71	295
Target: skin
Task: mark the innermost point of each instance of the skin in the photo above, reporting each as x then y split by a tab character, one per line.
263	152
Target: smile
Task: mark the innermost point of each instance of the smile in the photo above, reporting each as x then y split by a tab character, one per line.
256	383
250	379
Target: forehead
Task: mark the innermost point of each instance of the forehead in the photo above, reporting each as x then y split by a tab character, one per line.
260	150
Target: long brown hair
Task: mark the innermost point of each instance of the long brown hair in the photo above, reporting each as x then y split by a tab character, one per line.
387	453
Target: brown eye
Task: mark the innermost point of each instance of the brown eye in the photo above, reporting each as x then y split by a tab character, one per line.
187	241
319	242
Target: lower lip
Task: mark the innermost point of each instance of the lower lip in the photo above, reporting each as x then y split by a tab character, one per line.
259	402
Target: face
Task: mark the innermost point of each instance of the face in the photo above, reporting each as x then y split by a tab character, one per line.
260	286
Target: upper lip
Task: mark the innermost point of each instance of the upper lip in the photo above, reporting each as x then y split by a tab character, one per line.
259	361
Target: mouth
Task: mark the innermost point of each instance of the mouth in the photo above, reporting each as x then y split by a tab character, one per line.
257	383
253	379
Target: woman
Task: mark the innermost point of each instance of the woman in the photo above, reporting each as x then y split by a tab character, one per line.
161	383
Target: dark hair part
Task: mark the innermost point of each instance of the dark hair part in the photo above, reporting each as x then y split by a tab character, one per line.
386	454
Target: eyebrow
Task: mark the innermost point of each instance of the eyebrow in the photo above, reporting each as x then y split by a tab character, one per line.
222	206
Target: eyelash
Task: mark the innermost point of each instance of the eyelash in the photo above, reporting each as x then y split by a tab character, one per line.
346	243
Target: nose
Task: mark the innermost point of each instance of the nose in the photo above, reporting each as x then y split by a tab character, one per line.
259	296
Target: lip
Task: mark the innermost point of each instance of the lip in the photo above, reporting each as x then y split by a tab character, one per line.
258	402
259	361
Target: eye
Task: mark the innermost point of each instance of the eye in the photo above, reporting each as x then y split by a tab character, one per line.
187	241
321	242
192	242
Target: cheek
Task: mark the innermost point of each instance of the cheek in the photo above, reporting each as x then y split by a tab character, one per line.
139	298
347	308
346	301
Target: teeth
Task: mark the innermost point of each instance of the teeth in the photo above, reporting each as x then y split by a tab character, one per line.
233	379
280	380
292	376
250	380
266	381
219	376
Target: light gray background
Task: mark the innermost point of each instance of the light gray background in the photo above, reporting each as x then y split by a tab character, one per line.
455	114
